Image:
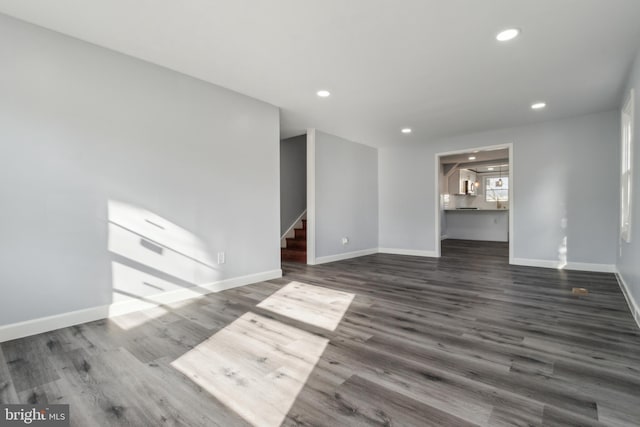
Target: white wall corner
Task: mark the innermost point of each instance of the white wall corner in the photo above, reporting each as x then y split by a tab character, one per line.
64	320
634	305
410	252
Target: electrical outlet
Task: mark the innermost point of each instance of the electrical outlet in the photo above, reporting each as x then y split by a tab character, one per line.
221	258
345	240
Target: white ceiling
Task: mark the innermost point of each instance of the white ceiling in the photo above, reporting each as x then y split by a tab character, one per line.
432	65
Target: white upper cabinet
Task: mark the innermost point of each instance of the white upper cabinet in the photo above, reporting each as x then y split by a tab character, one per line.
462	181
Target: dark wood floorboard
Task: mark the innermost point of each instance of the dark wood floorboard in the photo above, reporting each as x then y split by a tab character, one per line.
461	340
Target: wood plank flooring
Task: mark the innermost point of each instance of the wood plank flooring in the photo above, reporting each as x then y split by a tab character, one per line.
382	340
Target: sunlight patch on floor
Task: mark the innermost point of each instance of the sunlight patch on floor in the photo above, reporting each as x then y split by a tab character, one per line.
256	366
314	305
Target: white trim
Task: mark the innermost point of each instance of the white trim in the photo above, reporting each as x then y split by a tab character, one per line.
634	307
508	146
409	252
64	320
437	206
511	218
50	323
588	266
626	180
311	196
556	264
346	255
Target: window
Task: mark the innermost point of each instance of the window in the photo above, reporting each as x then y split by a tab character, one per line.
493	191
626	170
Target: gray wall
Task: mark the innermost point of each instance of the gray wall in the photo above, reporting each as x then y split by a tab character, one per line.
346	184
93	145
629	259
293	180
565	172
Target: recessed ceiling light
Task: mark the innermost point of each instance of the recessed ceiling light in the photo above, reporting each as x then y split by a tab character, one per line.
323	93
491	169
538	105
406	130
508	34
472	157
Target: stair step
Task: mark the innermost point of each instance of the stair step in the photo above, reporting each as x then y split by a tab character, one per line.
300	233
296	243
295	255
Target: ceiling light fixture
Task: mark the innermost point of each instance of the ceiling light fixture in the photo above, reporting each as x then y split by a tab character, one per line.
323	93
491	169
508	34
538	105
406	130
472	157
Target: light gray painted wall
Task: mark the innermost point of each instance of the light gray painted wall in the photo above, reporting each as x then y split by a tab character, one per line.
346	185
629	259
94	143
293	180
565	169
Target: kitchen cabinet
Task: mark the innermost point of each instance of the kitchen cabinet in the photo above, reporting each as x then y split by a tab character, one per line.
462	181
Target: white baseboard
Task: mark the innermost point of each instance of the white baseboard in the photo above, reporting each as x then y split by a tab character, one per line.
581	266
50	323
347	255
64	320
633	304
596	268
411	252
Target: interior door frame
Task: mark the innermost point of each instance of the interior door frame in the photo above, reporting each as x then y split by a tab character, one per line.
508	146
311	196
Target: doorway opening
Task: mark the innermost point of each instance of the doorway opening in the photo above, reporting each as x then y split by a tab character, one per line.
474	197
293	199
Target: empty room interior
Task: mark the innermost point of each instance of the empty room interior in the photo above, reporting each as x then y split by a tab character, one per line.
320	213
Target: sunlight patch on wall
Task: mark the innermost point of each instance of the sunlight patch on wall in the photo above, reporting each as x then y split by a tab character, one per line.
314	305
155	262
563	249
159	230
150	240
145	291
256	366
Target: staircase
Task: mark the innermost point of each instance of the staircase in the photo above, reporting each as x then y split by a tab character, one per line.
296	248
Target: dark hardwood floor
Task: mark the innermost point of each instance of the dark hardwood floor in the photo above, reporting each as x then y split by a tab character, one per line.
382	340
